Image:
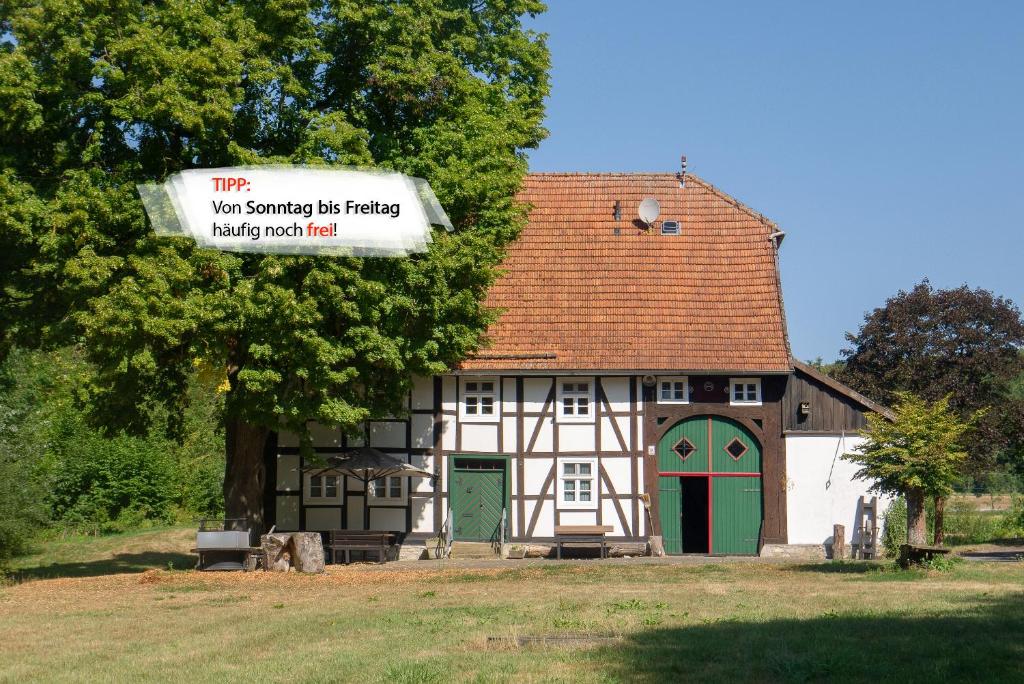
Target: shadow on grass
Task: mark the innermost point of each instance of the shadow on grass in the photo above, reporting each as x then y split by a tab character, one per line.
981	643
841	568
120	563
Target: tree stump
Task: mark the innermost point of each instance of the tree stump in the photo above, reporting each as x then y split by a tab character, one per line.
277	551
307	552
838	542
656	546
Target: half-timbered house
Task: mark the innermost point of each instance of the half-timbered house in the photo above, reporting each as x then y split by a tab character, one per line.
632	363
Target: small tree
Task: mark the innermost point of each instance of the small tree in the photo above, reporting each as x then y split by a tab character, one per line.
917	454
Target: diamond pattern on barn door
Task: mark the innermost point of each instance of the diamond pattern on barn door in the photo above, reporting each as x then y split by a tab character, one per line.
736	448
684	448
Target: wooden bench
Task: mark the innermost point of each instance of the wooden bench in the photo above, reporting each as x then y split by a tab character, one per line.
913	553
347	541
581	534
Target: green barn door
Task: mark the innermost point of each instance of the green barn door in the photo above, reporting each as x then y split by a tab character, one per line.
736	515
477	499
670	513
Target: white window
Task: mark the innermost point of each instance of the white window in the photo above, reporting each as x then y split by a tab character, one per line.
673	390
391	488
744	391
577	483
323	488
575	400
480	400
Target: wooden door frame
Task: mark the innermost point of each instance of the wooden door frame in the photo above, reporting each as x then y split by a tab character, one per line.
507	460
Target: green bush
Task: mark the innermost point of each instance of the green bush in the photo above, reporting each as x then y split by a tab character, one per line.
964	525
1012	525
894	532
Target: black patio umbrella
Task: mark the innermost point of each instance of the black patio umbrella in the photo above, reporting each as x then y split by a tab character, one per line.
367	464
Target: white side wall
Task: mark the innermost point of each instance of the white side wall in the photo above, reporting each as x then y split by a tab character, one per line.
821	489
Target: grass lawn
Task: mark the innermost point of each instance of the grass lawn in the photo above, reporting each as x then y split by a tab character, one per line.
705	621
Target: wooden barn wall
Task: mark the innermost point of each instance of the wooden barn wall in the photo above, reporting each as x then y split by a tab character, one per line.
831	412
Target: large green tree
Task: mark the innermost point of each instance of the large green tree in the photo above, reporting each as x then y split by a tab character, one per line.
916	454
961	342
98	96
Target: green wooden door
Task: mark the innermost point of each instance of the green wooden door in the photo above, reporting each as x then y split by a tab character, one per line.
684	448
735	515
733	448
670	512
477	499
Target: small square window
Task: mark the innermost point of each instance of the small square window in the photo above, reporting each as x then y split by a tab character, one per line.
578	477
745	391
673	390
479	400
574	400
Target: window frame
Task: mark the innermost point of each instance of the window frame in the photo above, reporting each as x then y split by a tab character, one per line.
576	394
733	401
403	483
595	484
674	379
495	396
307	489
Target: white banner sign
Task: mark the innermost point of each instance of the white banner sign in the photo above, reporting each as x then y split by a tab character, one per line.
297	210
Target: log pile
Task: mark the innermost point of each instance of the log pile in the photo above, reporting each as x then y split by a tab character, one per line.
285	551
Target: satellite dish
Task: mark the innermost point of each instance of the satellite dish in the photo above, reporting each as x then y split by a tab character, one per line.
649	210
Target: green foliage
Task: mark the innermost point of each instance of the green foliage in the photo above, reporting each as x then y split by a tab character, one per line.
919	450
59	470
99	96
894	532
961	343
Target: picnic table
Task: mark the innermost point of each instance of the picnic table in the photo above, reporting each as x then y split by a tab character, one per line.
347	541
915	553
581	534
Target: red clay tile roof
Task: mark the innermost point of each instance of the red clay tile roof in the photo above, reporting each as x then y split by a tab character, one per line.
578	297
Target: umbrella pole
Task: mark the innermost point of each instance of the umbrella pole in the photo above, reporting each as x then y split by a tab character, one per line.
366	505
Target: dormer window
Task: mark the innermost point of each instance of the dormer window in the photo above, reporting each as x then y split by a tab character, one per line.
479	400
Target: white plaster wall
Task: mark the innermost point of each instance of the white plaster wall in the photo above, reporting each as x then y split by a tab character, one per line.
385	519
482	437
608	440
508	396
546	437
324	436
812	508
536	470
545	521
619	472
422	515
321	519
422	484
355	512
509	435
422	431
617	391
576	437
287	513
609	516
422	393
387	435
535	391
448	393
448	427
578	518
288	472
287	439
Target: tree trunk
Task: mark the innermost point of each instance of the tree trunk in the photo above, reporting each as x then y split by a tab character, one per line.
917	530
940	509
244	472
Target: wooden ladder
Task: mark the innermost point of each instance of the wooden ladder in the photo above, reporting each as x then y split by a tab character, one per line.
867	525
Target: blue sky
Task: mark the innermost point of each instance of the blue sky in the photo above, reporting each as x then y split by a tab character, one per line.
886	139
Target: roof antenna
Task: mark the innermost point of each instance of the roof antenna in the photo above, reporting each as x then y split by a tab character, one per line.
682	171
